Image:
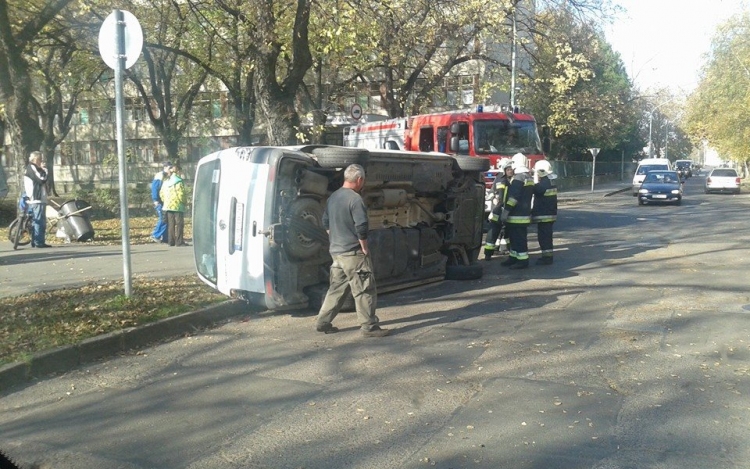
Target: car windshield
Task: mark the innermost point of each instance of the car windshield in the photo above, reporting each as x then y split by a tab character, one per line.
730	173
503	137
643	169
665	178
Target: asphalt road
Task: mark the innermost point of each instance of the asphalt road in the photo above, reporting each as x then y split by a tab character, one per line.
631	351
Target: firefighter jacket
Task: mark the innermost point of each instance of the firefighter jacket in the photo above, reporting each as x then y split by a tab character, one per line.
500	191
518	203
544	208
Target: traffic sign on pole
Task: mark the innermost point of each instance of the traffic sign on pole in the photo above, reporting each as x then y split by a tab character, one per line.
594	152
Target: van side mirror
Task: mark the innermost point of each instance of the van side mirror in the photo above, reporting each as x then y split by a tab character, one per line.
454	144
454	128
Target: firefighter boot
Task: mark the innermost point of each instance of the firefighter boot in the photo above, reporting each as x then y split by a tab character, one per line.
488	253
520	264
509	261
544	260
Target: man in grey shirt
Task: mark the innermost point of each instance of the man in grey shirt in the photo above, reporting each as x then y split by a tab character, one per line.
345	219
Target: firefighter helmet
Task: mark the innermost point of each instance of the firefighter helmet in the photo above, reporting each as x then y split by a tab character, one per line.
504	163
519	160
543	168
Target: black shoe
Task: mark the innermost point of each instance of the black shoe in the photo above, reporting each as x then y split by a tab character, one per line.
509	261
487	255
520	265
544	260
327	329
376	331
42	245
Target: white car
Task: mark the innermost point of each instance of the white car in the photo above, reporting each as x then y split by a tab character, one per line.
723	180
257	230
646	165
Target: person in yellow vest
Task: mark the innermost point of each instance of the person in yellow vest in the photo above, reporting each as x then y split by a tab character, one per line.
516	215
174	197
544	209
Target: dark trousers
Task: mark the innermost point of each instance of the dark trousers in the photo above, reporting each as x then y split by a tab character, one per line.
544	235
519	245
175	227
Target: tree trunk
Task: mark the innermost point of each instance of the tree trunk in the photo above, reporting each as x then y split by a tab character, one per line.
277	107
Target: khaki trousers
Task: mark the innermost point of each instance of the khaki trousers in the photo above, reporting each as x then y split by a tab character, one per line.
351	271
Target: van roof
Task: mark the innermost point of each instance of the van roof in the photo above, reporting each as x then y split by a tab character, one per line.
654	161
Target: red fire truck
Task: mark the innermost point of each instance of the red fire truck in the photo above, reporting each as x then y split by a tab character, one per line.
492	135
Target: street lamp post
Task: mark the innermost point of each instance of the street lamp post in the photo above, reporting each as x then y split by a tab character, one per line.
650	122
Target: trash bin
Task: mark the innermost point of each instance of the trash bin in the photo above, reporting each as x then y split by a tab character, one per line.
77	219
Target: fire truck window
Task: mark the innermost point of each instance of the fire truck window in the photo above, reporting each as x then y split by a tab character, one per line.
463	138
442	139
426	139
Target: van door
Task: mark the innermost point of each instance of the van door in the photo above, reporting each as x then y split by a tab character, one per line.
230	201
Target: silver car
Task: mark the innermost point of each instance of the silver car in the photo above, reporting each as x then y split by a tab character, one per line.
723	180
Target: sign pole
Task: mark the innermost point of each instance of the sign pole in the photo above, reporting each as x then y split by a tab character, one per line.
119	105
594	152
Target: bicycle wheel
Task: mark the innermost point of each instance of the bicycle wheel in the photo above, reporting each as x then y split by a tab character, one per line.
20	231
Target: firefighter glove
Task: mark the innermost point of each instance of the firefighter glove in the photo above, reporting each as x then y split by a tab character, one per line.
493	217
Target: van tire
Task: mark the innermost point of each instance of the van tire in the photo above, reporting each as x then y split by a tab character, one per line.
305	236
464	272
472	163
340	157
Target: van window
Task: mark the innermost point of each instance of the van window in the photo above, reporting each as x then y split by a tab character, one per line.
205	207
643	169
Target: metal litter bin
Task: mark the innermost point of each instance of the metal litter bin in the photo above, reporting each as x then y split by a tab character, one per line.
77	222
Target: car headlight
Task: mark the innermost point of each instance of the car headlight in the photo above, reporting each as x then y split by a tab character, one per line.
676	191
643	191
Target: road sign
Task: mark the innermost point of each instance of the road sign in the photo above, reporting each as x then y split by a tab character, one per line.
108	42
356	111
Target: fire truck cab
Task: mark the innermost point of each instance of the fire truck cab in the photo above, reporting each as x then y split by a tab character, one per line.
493	135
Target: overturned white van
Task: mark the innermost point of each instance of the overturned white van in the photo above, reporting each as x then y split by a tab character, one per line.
257	212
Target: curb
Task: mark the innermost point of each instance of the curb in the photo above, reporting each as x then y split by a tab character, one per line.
69	357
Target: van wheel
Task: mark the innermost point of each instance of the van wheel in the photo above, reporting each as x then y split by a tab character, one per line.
340	157
470	163
464	272
305	236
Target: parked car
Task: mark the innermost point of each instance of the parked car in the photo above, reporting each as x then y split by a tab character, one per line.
646	165
257	229
684	168
660	187
723	180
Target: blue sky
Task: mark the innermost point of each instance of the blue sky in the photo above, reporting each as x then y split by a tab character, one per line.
662	42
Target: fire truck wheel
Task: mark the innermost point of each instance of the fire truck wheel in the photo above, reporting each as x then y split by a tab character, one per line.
305	236
471	163
463	272
329	157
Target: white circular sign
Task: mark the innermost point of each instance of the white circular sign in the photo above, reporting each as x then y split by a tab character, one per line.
133	39
356	111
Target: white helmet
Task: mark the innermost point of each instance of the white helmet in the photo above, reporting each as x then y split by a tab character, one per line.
520	170
503	163
519	160
543	168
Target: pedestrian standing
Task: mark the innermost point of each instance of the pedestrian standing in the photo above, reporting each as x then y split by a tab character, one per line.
345	220
544	209
34	184
159	234
174	197
500	189
516	215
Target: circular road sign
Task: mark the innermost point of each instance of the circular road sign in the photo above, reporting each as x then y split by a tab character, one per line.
356	111
133	39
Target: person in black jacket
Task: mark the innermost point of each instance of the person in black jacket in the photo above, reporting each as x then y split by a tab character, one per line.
500	189
35	186
516	215
544	210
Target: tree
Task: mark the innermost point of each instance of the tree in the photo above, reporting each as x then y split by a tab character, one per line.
719	110
20	25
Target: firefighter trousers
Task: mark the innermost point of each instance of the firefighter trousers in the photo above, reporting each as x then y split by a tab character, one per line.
519	244
544	236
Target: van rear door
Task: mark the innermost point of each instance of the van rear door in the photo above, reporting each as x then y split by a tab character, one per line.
229	208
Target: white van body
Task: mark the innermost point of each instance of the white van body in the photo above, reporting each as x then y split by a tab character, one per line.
257	229
646	165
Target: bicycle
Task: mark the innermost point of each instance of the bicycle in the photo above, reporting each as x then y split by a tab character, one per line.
21	229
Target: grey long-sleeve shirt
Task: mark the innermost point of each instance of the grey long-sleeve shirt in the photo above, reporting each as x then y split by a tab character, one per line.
345	217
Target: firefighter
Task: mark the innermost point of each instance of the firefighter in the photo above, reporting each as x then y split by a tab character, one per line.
544	209
516	214
500	194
